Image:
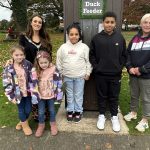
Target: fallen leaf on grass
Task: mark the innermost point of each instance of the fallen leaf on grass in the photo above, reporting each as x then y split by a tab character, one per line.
3	127
87	147
108	146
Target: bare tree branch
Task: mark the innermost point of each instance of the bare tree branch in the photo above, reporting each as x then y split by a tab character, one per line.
6	6
9	2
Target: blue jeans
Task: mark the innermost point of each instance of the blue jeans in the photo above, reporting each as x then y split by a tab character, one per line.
74	93
41	110
24	108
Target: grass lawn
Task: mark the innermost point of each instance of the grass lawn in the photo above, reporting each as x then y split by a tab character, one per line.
8	111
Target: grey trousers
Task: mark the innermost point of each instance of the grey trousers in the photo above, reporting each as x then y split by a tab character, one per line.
140	89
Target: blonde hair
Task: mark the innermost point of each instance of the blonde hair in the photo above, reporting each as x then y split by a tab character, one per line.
41	54
15	47
145	17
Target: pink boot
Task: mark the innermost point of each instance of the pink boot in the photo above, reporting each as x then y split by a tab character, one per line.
53	129
40	130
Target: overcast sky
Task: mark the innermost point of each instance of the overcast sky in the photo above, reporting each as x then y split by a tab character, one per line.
5	13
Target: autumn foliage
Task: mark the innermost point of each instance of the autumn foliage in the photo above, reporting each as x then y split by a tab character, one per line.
135	9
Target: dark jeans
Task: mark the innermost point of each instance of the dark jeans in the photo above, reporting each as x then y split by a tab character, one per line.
24	108
108	89
41	110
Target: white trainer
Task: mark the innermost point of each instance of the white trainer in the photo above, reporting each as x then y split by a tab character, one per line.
142	126
115	123
101	122
130	116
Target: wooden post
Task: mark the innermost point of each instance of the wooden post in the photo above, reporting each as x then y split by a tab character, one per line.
89	13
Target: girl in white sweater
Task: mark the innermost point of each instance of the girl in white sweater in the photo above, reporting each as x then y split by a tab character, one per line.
73	63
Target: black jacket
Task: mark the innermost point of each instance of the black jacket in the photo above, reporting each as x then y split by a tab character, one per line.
108	53
139	55
31	48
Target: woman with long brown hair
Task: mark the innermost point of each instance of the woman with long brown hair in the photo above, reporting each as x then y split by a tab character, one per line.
35	38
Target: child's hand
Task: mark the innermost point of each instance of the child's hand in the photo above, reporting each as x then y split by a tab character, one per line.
9	62
14	101
86	77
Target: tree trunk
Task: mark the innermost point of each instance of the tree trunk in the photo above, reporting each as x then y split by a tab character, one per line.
19	8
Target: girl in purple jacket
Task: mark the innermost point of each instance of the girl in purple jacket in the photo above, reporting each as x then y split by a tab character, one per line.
16	82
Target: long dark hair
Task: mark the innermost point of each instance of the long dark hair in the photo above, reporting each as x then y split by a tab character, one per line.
44	37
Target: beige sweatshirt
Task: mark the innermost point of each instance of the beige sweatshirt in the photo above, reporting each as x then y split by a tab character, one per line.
73	60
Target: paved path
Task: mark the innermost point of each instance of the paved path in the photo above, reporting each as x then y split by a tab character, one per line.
10	139
82	136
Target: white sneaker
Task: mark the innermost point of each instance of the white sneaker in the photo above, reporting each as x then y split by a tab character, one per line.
101	122
115	123
142	126
130	116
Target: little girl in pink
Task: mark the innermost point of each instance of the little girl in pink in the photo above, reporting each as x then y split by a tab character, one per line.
46	88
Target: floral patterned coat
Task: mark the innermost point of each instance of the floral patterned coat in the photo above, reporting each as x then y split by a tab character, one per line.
57	86
10	81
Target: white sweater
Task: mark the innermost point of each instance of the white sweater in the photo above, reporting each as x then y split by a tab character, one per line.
73	60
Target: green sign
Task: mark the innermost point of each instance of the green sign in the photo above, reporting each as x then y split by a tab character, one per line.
92	8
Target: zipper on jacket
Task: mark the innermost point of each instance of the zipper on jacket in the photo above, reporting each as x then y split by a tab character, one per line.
142	45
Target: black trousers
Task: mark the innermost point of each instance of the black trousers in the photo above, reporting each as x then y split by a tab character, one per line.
108	89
